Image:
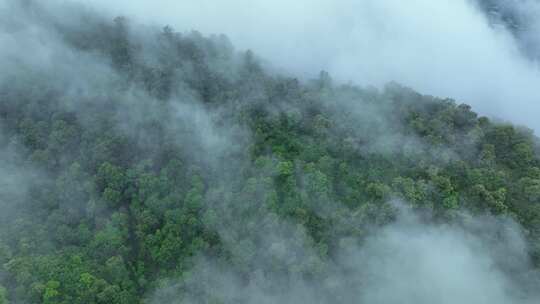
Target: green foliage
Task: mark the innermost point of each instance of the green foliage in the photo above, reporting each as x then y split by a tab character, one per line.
130	192
3	295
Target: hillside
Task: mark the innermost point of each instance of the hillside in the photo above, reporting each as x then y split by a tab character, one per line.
143	164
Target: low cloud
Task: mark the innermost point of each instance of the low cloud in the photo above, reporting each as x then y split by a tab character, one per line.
444	48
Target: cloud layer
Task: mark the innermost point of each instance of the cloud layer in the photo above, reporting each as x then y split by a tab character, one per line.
445	48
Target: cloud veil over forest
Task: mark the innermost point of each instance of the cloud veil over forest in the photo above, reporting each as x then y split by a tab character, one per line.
260	152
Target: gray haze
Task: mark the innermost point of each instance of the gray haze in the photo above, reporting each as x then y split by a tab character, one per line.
446	48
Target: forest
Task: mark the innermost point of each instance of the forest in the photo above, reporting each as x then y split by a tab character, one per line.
144	165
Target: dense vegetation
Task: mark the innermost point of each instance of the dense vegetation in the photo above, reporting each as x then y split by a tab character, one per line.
157	148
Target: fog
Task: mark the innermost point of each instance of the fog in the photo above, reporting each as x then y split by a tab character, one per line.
446	48
411	261
519	17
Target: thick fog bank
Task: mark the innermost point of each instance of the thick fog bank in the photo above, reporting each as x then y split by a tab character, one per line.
447	48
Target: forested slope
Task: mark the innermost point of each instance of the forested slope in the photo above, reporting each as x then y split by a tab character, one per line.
131	155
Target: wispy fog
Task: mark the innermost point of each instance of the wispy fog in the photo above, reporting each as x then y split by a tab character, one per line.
483	260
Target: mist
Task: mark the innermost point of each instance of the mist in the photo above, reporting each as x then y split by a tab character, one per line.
443	48
146	164
520	18
480	259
